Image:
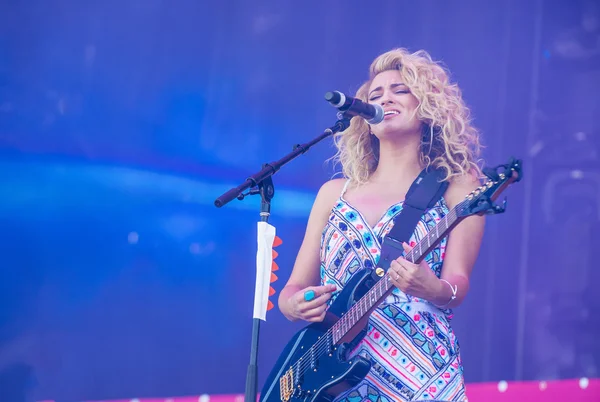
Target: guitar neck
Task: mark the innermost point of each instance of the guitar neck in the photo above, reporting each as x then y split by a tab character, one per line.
384	286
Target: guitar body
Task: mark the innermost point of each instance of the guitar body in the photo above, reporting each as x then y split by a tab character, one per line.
331	374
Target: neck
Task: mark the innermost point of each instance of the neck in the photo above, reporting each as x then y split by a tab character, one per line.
398	159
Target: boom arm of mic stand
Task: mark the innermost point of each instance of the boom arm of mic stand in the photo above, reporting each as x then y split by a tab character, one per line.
269	169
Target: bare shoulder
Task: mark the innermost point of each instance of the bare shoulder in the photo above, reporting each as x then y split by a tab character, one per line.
334	185
306	268
330	191
460	187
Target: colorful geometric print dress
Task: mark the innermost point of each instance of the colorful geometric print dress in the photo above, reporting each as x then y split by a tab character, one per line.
412	348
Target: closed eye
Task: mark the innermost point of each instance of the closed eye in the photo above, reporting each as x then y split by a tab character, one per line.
374	98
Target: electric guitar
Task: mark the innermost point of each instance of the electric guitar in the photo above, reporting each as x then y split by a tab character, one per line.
313	366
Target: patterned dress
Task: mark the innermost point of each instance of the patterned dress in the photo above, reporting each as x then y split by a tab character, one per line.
412	348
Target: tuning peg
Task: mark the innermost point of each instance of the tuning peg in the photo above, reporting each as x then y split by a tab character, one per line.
491	173
497	209
503	207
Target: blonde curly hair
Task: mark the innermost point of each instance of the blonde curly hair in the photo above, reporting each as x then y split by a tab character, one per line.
449	141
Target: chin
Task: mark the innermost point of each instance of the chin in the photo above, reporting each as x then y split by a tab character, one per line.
392	131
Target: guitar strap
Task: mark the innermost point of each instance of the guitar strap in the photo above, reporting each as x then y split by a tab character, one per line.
422	195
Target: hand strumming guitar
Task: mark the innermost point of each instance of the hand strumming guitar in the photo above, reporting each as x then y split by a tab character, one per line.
310	304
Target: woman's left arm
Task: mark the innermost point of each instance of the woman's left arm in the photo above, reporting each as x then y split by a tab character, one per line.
462	247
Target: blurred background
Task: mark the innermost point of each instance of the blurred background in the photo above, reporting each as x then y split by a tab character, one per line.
122	121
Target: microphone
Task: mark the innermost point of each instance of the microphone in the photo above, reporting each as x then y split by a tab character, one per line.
373	114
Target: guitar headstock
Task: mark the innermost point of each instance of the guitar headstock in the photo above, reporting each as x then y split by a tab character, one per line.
481	200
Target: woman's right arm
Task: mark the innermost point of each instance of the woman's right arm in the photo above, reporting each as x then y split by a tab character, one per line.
306	272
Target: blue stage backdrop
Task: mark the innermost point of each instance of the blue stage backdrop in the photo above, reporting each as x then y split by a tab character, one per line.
122	121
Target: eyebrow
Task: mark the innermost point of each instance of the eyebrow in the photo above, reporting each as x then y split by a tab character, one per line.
393	86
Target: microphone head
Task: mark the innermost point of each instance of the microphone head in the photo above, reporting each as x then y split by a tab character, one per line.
379	114
336	98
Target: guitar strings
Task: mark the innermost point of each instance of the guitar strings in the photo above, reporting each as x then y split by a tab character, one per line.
325	342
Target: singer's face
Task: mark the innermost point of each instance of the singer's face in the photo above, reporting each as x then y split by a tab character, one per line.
399	104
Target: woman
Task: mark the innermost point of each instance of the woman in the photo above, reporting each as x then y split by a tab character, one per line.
426	124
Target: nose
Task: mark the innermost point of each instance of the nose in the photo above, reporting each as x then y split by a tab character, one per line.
385	99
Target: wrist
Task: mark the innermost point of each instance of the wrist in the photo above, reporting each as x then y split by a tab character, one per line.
446	294
285	302
441	294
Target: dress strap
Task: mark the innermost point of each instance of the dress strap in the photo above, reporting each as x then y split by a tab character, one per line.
345	188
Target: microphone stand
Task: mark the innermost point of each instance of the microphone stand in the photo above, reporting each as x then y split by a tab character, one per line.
262	183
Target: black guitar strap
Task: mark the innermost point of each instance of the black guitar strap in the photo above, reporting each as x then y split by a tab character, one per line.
424	192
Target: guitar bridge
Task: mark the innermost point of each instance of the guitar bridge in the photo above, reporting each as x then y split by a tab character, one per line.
286	385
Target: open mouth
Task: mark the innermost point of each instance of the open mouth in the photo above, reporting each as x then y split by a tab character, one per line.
390	113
